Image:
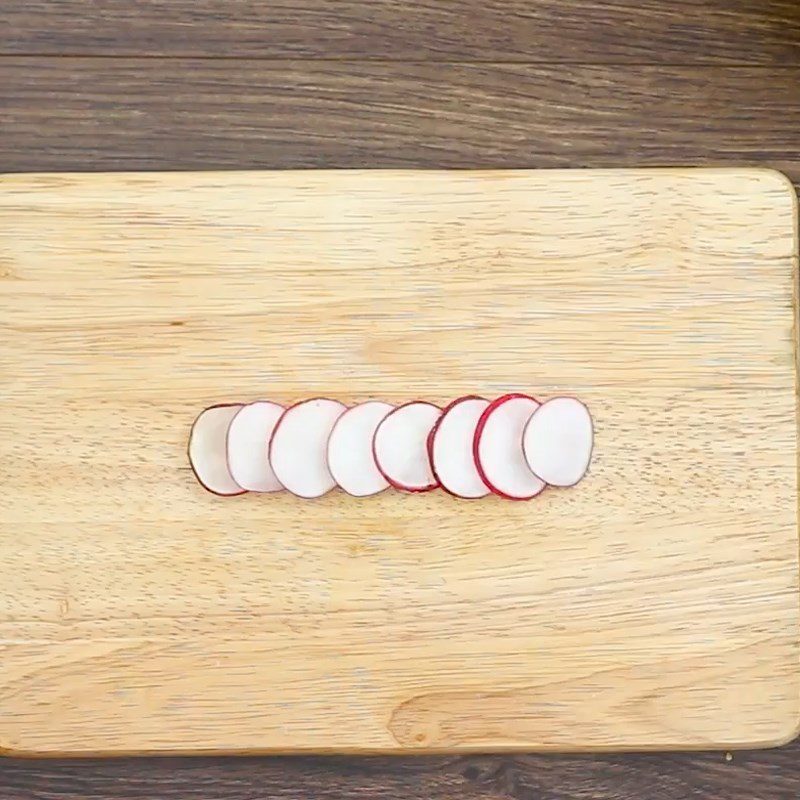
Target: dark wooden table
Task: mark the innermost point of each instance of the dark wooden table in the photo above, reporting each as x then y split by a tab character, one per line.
224	84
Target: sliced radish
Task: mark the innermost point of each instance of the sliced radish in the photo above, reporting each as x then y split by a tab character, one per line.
299	445
497	448
401	447
450	448
558	441
350	456
248	442
207	451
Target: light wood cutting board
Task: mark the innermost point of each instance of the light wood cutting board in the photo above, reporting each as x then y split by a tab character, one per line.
653	606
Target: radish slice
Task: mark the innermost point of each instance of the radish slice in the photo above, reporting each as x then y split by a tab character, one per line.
350	457
450	448
401	447
248	442
207	452
497	448
558	441
299	445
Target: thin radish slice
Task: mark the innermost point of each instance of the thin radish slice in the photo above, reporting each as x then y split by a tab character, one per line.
207	452
299	446
450	448
401	447
497	448
350	457
558	441
248	442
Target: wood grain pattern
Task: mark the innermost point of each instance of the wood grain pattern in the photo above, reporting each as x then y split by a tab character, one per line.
764	774
701	31
625	31
655	606
196	114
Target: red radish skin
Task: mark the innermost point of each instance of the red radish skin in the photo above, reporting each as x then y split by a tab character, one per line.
207	450
468	484
248	443
416	440
299	446
529	485
351	459
558	441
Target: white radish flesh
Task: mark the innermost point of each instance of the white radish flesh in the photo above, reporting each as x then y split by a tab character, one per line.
248	445
401	447
350	456
299	447
450	448
497	448
207	450
558	441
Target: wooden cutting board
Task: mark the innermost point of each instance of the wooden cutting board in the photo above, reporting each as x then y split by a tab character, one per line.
655	605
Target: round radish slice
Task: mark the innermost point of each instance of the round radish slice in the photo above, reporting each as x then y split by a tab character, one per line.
401	447
558	441
450	448
497	448
207	452
350	457
299	446
248	442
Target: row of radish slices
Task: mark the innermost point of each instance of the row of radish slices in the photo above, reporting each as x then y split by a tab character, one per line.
512	446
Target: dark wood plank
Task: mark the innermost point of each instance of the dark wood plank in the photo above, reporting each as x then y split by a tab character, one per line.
632	31
766	775
111	114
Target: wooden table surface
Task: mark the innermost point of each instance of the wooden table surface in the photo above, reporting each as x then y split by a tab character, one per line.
196	84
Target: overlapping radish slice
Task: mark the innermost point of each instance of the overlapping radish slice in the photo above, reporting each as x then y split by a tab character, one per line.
450	448
558	441
351	459
207	451
401	447
497	448
248	444
298	449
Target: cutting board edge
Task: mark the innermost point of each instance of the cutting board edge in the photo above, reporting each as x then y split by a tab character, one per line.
781	177
780	739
